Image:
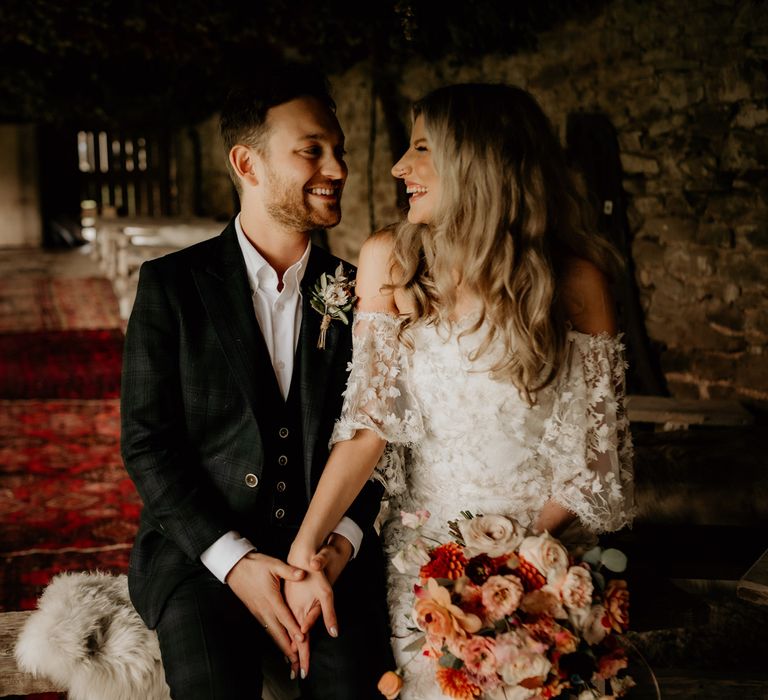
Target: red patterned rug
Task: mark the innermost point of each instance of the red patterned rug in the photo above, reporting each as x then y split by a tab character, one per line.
66	502
61	364
31	303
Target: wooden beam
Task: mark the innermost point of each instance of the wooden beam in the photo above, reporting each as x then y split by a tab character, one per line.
12	680
753	586
680	413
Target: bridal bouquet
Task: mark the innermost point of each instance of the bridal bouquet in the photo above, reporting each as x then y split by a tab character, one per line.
503	616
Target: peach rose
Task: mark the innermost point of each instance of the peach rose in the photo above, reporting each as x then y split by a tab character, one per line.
577	588
435	614
390	685
501	596
543	602
616	600
493	535
411	558
546	554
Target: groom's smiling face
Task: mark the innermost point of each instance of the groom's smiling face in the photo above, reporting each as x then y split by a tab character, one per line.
302	167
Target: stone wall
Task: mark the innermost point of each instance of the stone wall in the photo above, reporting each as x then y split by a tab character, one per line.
685	86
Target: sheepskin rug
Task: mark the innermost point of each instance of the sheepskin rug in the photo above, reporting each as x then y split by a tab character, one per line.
87	637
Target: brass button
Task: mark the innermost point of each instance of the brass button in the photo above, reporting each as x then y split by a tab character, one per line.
281	486
282	460
251	480
279	513
283	432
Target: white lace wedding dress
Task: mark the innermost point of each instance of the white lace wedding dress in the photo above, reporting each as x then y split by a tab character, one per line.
461	440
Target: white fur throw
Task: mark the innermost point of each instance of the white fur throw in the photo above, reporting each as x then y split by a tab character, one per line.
87	637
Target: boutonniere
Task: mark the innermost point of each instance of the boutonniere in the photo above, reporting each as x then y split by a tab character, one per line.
332	297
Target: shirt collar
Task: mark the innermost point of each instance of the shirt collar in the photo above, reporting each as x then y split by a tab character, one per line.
261	273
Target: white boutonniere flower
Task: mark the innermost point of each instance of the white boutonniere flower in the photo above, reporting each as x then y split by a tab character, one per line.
333	297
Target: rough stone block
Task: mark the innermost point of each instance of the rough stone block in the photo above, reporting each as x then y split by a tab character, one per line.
745	150
634	163
670	229
751	115
715	233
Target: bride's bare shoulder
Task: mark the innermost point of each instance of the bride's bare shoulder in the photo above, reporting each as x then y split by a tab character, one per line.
375	272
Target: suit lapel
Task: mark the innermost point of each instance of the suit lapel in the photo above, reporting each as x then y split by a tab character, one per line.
226	294
314	363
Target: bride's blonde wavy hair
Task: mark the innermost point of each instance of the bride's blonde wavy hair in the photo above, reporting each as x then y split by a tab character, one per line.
510	214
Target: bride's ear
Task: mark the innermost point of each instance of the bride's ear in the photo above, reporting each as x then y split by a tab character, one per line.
243	162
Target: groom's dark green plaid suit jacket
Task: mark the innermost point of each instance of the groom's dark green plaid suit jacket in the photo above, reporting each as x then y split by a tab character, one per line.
196	378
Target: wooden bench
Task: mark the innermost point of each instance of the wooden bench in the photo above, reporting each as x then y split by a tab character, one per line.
12	680
679	414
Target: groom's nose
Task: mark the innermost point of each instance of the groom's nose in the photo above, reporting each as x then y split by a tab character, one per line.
334	167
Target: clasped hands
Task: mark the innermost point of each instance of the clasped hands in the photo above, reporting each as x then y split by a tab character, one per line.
306	581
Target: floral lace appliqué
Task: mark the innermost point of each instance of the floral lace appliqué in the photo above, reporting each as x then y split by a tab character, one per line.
378	396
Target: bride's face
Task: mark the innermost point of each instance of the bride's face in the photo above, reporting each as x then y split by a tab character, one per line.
422	182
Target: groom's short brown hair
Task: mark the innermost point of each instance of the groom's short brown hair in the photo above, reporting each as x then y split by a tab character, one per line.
244	114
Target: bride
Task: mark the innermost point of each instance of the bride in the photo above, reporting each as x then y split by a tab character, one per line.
487	373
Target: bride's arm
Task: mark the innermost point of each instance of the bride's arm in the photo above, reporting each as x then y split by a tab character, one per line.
590	309
351	461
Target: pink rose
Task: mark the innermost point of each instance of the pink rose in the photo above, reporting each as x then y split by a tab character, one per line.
577	588
414	520
501	596
478	654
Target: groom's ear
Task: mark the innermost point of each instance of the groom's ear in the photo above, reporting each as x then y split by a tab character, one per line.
243	161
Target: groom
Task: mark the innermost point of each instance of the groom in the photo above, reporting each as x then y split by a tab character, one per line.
227	408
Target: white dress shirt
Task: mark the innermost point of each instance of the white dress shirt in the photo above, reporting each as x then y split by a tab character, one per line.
279	316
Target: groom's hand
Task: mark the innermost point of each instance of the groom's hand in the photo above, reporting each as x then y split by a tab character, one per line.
256	581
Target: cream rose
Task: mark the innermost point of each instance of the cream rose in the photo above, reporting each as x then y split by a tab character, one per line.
547	554
524	666
594	625
411	558
493	535
577	588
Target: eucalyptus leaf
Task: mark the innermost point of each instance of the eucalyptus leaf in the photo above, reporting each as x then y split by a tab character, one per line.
343	317
416	644
599	580
448	660
614	560
592	557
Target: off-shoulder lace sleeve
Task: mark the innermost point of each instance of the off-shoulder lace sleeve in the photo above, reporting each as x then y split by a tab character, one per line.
587	441
378	396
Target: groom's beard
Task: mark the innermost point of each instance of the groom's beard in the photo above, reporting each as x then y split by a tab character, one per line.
291	207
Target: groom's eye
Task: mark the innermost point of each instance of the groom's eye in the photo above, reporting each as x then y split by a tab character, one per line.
312	151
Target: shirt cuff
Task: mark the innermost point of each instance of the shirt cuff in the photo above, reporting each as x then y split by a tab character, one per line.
224	553
349	528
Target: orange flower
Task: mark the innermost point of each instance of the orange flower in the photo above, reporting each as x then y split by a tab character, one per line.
390	685
434	613
455	684
445	561
532	578
617	604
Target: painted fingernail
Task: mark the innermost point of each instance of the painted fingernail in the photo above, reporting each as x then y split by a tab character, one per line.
303	674
293	675
334	632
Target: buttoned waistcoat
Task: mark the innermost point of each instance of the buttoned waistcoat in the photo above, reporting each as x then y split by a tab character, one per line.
201	413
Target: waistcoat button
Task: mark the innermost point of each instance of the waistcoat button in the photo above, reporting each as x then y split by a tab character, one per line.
283	432
251	480
279	513
281	486
282	460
